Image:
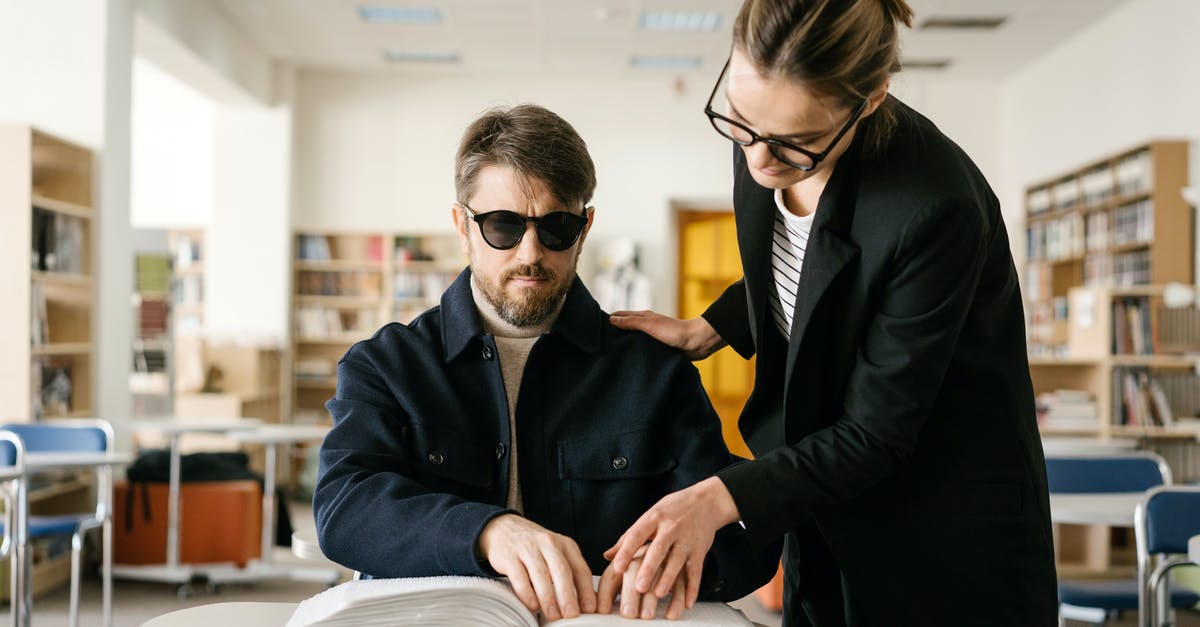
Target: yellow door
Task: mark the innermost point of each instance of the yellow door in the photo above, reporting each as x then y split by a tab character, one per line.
708	263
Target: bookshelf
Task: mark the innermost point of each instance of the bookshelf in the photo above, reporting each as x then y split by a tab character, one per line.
46	200
348	284
1109	233
150	381
1108	357
187	280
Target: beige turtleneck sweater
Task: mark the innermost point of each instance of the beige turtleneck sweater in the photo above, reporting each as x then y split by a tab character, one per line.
513	345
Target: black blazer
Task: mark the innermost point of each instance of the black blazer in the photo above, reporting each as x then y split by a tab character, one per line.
896	428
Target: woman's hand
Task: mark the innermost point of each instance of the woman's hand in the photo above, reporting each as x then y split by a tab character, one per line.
635	604
695	337
680	529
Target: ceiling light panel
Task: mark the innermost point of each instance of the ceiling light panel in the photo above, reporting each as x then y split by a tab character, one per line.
666	62
400	55
680	21
392	14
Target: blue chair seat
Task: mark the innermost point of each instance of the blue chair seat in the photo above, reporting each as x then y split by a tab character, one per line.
1116	594
42	526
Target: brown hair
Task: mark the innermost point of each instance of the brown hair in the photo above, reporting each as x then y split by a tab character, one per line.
536	143
841	48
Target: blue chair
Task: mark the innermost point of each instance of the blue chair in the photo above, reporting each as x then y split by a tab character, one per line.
10	444
62	436
1165	520
1136	471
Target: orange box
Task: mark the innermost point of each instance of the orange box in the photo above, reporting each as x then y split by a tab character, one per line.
770	596
220	521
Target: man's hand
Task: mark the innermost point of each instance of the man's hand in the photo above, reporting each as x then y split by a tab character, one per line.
680	529
635	604
546	569
695	337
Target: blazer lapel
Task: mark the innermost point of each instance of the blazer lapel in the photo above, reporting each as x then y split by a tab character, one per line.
754	214
829	251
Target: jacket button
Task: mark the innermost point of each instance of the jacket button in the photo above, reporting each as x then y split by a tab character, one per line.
487	352
620	463
500	451
436	458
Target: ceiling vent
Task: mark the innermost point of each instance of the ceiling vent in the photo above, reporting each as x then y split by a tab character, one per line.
945	22
924	64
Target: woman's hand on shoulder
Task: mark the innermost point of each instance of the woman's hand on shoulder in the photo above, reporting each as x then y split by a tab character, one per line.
695	337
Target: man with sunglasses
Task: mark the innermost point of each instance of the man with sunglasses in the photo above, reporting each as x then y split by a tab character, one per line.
511	430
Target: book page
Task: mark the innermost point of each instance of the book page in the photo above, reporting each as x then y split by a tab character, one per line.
415	601
700	615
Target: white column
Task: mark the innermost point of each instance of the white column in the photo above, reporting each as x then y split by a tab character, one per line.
113	316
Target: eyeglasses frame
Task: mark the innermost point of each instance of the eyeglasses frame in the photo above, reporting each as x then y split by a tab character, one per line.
773	144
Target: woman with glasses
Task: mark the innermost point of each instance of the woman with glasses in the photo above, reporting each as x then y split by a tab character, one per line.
892	418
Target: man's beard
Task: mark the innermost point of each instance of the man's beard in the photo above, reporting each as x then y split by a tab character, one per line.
537	304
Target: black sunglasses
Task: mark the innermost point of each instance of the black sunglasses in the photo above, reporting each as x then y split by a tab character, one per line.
791	154
502	230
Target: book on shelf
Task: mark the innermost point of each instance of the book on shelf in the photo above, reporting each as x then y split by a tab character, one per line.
314	248
1142	399
56	388
1067	409
436	601
1134	331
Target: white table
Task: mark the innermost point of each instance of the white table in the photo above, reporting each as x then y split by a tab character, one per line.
271	437
306	546
35	462
1115	510
172	571
227	615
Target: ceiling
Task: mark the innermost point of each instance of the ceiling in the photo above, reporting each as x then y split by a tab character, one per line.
601	36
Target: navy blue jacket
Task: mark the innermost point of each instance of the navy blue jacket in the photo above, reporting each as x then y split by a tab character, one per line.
608	422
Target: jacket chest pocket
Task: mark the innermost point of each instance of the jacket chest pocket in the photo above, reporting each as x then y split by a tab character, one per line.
613	479
446	460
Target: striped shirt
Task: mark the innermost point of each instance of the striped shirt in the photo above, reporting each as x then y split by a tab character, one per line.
787	258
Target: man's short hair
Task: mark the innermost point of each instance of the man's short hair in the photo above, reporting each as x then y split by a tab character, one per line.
537	144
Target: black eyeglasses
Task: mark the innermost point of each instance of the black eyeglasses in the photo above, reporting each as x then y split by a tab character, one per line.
795	156
502	230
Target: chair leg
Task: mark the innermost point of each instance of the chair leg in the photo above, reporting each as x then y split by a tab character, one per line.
76	550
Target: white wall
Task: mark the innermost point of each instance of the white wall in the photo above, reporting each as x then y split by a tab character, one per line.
1132	77
173	129
376	151
248	266
64	68
213	152
52	67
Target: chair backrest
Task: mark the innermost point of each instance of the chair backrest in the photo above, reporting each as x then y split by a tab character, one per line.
1135	471
79	435
1167	518
12	451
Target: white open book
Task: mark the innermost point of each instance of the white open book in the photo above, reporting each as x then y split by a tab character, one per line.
439	601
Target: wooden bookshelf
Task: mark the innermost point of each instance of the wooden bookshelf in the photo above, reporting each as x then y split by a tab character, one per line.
348	284
1102	242
187	280
46	200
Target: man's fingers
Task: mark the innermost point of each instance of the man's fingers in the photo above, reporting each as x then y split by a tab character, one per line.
678	597
518	578
563	577
543	585
675	561
583	580
631	600
694	569
610	584
649	605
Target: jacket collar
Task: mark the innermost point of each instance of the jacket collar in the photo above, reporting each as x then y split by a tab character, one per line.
581	321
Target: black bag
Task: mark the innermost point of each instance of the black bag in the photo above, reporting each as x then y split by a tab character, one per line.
154	466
